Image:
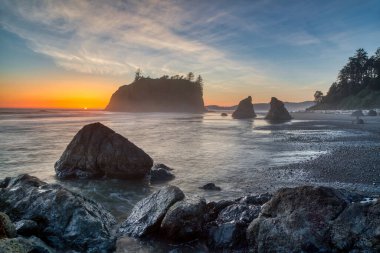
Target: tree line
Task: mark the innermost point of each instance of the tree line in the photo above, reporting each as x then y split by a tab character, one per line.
189	77
360	72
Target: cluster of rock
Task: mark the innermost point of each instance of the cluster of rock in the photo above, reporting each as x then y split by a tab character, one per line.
50	216
277	111
302	219
41	217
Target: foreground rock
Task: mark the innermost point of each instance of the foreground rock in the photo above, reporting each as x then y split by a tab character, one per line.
7	229
97	151
315	219
228	231
160	173
302	219
67	221
183	221
244	110
148	213
24	245
277	111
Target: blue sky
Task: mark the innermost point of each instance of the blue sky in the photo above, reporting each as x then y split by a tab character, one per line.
260	48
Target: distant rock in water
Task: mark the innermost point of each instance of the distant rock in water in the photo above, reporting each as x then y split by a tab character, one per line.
277	111
158	95
372	113
97	151
244	110
67	221
223	114
358	113
210	187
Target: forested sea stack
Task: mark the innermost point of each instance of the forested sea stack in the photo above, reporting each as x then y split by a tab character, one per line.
174	94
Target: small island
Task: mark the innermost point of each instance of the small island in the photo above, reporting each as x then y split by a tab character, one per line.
165	94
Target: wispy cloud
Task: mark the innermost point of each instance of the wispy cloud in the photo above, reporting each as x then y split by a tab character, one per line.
245	45
114	37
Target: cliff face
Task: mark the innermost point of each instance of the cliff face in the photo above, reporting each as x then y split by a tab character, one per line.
158	95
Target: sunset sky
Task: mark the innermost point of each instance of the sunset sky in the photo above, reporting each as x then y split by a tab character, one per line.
75	54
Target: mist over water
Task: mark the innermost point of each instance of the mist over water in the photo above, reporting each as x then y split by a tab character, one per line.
233	154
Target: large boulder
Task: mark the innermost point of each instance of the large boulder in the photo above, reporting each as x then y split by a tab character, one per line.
277	111
147	214
67	220
244	110
97	151
184	220
314	219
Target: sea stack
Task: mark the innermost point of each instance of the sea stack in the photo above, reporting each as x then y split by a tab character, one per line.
158	95
97	151
244	110
277	111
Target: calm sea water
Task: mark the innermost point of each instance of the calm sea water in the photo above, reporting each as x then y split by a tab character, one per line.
233	154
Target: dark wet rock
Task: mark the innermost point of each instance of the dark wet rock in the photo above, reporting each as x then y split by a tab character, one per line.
148	213
358	113
24	245
238	212
184	220
296	220
214	208
68	220
27	227
358	121
7	229
229	229
357	228
255	199
210	187
244	110
160	173
372	113
223	114
226	236
97	151
277	111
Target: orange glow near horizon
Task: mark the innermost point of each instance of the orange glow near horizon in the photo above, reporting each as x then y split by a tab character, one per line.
64	91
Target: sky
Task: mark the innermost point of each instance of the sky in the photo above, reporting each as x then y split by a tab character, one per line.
76	53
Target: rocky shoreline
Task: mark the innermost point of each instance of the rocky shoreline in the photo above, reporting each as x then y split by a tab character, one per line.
50	218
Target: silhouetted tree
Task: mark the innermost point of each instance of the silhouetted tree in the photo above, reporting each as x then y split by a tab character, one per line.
190	76
199	81
138	74
318	96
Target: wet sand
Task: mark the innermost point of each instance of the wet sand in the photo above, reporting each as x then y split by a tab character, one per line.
350	161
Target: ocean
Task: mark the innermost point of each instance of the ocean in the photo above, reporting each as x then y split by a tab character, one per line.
237	155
